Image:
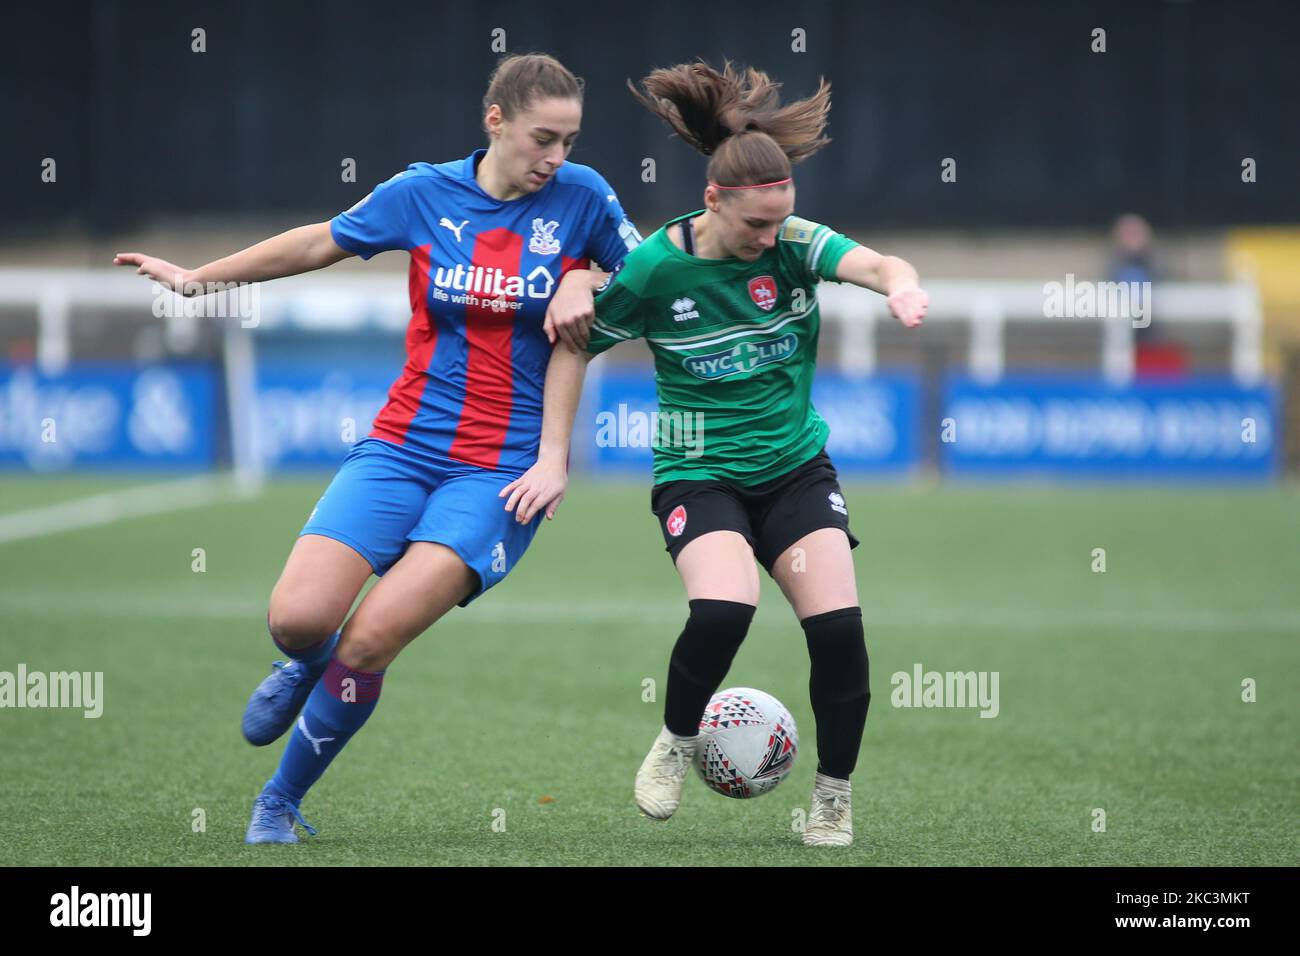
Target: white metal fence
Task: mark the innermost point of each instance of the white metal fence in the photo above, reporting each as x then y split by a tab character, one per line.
338	303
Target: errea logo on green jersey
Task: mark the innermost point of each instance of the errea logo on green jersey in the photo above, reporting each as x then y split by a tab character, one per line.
744	357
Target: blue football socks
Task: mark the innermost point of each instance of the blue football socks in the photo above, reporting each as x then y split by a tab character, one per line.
340	703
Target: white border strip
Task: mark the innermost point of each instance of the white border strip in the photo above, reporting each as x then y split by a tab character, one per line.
113	506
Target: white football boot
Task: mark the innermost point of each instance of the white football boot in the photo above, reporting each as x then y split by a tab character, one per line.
659	781
831	821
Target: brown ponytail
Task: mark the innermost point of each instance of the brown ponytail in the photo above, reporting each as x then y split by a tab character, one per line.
519	79
737	119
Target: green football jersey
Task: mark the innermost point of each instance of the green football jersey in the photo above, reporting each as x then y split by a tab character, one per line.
735	347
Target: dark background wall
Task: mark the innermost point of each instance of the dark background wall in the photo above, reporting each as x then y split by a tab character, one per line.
1044	131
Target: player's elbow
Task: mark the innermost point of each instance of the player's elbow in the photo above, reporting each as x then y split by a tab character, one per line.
321	249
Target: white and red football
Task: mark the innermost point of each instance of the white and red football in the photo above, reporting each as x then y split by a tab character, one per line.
748	742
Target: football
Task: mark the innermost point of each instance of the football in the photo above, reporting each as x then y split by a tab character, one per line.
748	742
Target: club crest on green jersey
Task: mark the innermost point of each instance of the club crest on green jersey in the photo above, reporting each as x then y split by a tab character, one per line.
744	357
762	289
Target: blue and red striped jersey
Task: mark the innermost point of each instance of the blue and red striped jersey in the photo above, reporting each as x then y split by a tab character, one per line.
482	273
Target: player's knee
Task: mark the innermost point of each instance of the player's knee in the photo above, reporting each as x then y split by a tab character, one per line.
815	598
295	623
730	619
366	648
736	590
837	648
713	635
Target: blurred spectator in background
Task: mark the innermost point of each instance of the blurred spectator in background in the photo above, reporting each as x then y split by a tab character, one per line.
1132	259
1131	252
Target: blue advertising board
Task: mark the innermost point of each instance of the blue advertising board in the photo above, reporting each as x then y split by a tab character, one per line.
311	412
99	415
108	416
874	422
1203	428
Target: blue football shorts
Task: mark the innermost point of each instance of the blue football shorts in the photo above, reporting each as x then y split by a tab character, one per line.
384	497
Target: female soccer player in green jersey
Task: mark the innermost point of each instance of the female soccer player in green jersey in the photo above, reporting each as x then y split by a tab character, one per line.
726	299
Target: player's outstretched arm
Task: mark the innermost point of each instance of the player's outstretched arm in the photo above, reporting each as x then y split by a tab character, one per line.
290	253
890	276
542	486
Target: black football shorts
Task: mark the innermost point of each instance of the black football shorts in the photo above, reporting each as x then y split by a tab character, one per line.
771	516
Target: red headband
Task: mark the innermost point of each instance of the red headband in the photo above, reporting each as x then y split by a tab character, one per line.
779	182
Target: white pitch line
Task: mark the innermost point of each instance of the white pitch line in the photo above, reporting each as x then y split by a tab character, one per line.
113	506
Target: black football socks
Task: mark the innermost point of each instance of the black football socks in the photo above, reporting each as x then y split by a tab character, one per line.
701	659
839	686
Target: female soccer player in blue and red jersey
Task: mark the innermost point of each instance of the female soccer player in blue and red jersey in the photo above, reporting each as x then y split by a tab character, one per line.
492	237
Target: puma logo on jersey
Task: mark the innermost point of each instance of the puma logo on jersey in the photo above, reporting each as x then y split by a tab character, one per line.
837	503
444	221
314	741
685	309
543	241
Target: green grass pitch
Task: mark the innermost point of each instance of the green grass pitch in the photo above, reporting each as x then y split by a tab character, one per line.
1119	690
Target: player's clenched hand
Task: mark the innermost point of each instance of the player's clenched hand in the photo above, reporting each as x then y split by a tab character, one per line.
541	486
166	274
909	305
572	310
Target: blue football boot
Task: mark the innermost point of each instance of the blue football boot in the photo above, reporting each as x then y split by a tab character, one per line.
273	819
278	699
